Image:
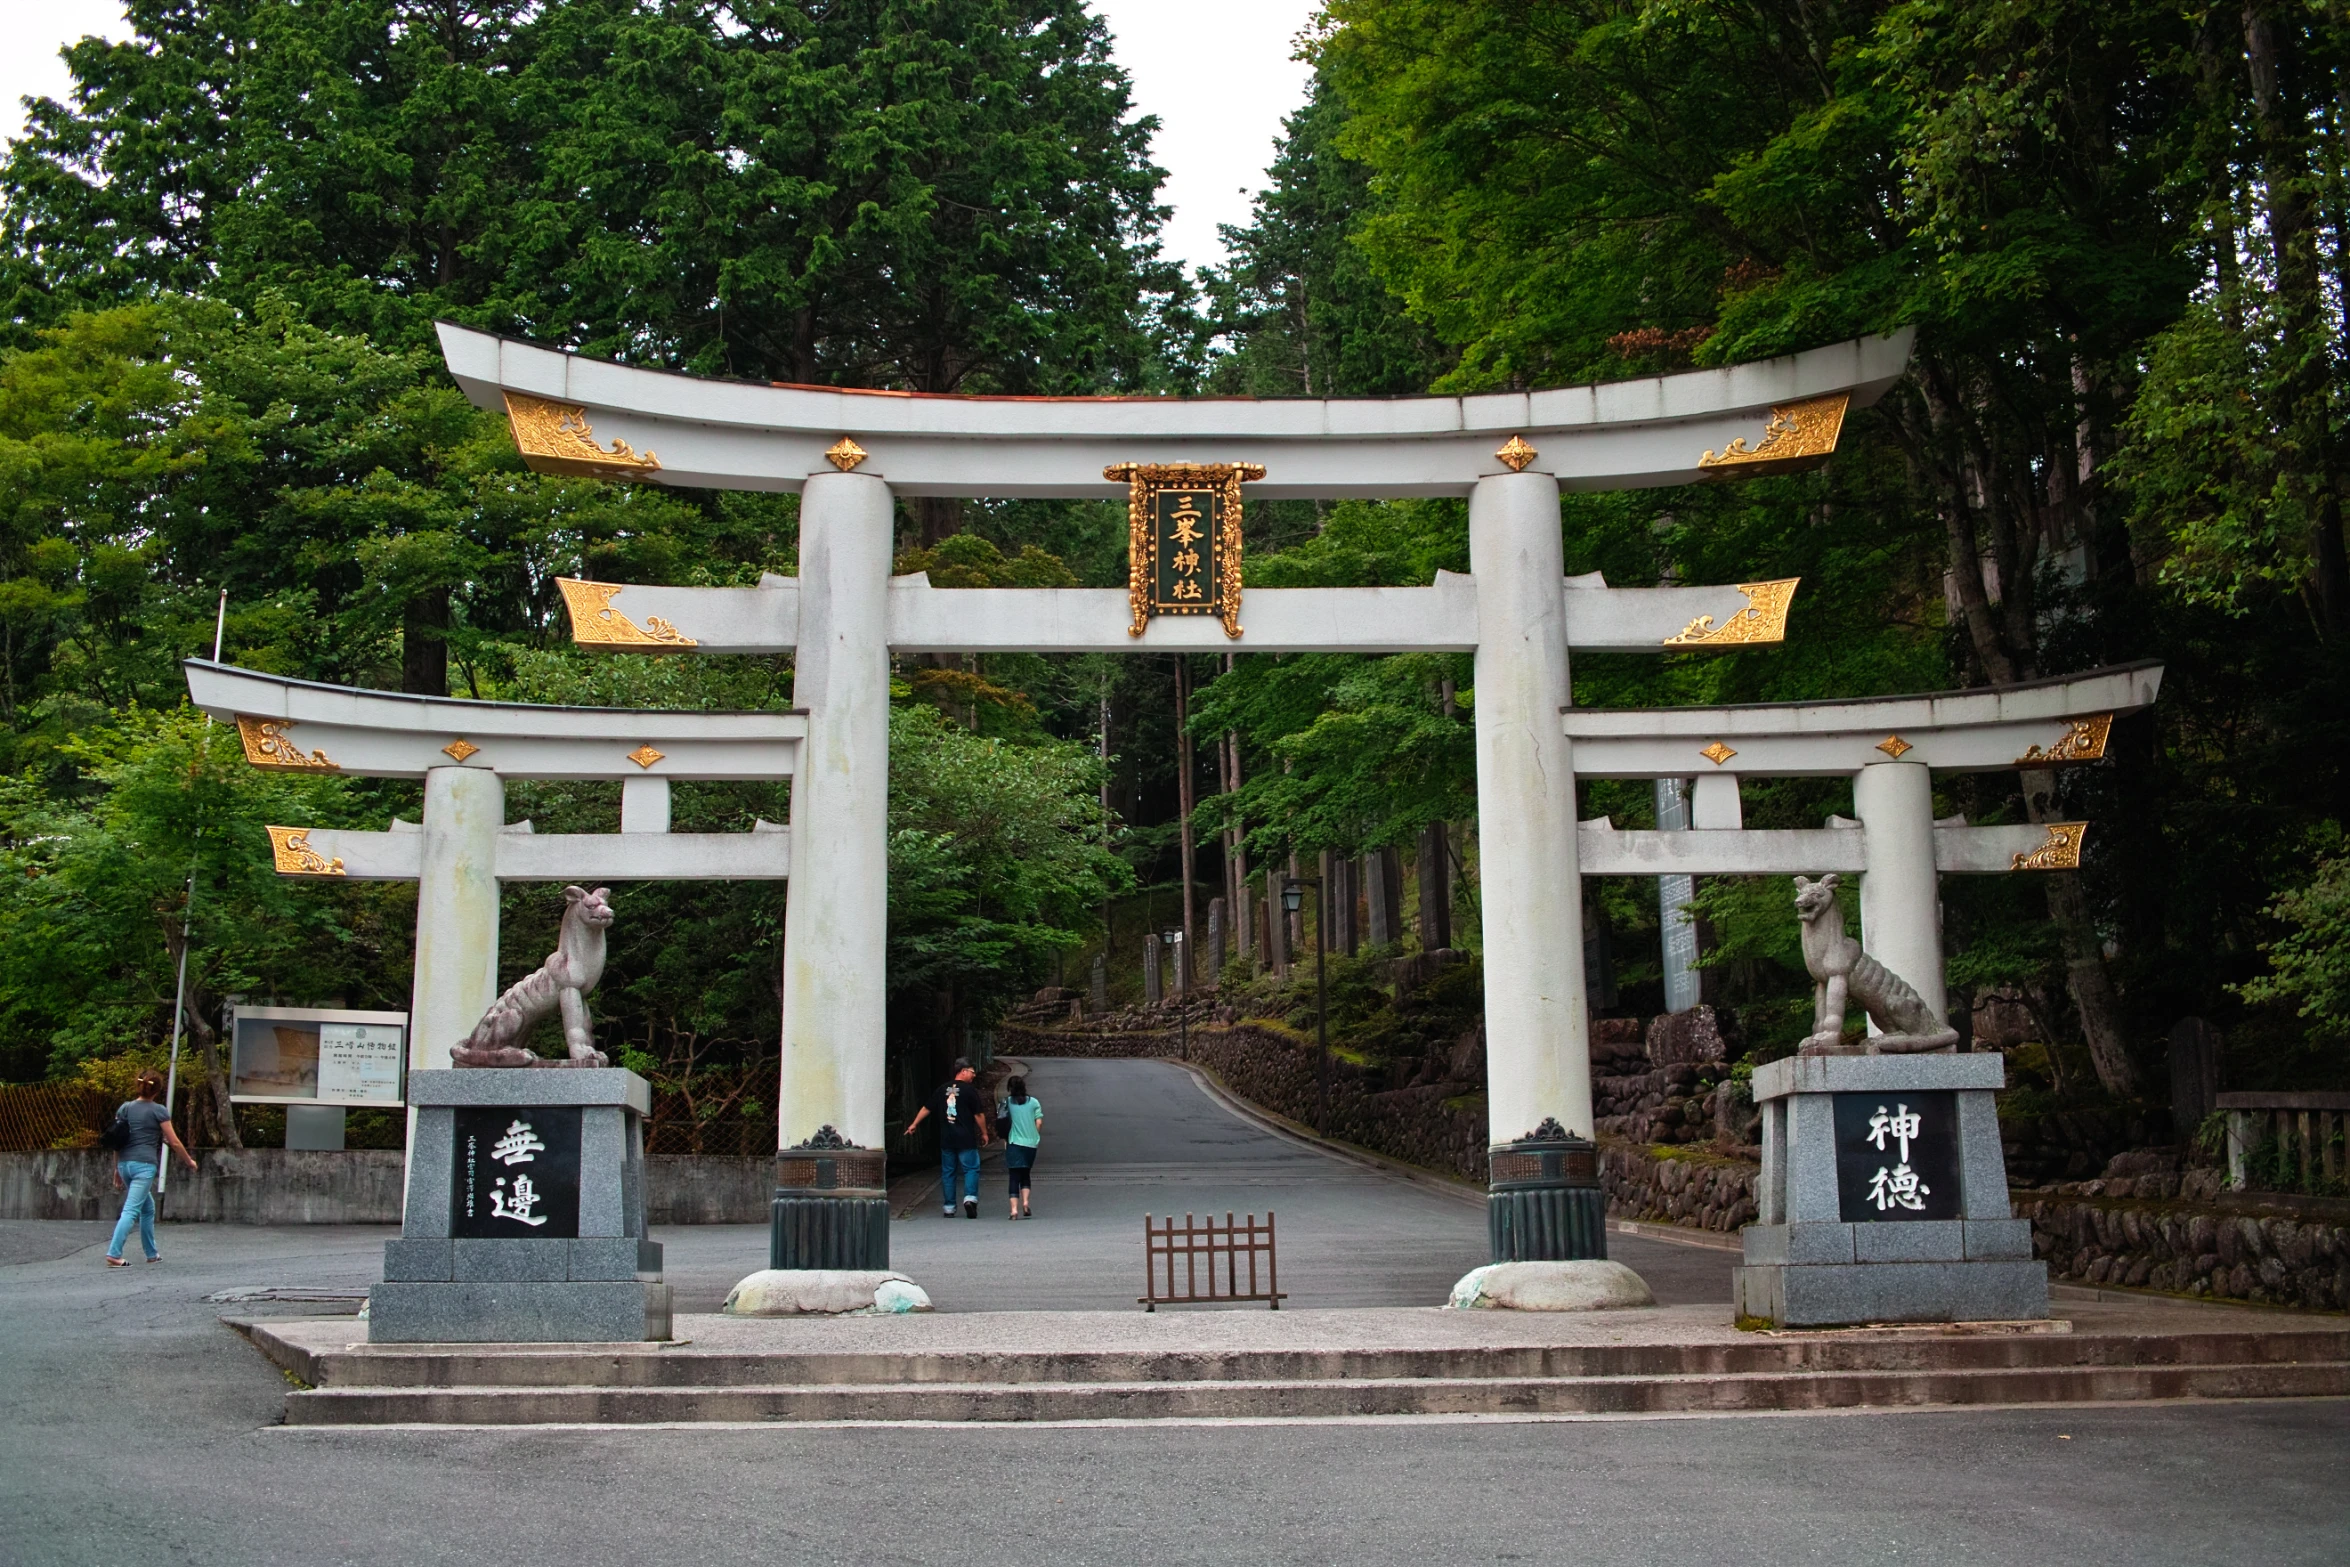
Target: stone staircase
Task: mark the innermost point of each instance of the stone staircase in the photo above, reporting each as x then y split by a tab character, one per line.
1671	1371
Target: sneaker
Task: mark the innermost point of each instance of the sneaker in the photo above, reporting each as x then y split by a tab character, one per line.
947	1212
116	1262
970	1207
158	1257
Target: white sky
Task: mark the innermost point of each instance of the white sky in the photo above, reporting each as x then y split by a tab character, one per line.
1217	73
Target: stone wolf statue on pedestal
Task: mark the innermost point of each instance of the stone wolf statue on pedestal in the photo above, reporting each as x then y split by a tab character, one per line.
563	981
1842	973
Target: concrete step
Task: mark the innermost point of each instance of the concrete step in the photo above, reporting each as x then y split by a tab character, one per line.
656	1367
1629	1392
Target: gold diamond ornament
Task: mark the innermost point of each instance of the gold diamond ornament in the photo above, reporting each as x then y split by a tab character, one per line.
1517	453
460	749
644	756
1717	753
1895	747
845	454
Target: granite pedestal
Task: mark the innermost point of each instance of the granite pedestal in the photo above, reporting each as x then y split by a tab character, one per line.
525	1215
1884	1196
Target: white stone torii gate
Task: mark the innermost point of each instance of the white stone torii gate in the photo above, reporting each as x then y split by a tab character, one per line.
849	454
1889	747
464	751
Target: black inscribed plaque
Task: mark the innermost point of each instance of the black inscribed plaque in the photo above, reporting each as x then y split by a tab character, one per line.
1897	1156
1183	551
515	1173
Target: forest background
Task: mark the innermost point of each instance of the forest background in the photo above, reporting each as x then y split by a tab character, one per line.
2121	230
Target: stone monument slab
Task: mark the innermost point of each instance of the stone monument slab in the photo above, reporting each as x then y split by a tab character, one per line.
1884	1196
525	1218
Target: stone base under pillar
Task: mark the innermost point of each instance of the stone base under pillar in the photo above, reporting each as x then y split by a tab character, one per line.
806	1292
1837	1294
532	1312
828	1231
1589	1285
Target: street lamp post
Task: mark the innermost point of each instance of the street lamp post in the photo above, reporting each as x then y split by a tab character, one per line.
1293	895
1174	939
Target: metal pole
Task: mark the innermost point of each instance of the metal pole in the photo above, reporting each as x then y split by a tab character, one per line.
1183	1008
179	999
1322	999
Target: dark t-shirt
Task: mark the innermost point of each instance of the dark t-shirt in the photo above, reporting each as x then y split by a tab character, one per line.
147	1118
958	1108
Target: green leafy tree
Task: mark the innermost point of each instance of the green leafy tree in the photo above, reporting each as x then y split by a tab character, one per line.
369	525
1580	191
997	862
1297	298
2310	962
885	192
94	892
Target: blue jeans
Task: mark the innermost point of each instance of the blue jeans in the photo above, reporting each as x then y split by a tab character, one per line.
138	1206
954	1162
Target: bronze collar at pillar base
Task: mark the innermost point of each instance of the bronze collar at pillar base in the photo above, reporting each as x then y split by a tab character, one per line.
1549	1156
843	1172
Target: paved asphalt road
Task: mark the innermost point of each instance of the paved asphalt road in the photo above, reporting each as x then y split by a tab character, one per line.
134	1428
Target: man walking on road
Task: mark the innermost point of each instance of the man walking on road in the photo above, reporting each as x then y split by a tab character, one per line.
962	1131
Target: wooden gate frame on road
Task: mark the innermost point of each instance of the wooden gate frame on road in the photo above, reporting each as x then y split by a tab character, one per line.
1230	1241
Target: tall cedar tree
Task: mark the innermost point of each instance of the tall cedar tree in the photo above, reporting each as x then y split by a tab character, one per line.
928	195
1573	190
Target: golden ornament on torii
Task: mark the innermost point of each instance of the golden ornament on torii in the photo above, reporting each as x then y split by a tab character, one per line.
1183	539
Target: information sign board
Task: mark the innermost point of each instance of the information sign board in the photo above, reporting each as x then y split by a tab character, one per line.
318	1056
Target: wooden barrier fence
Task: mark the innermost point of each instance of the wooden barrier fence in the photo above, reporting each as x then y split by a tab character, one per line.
1227	1243
2285	1131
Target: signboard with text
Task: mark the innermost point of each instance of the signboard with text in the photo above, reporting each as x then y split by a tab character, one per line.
514	1173
1183	539
318	1056
1897	1156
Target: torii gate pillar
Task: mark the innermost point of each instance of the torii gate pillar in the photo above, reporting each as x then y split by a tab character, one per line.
1545	1202
456	914
1900	894
831	1205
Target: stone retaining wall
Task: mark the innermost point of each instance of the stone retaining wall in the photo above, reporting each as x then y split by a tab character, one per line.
358	1186
228	1186
709	1188
2230	1247
1696	1190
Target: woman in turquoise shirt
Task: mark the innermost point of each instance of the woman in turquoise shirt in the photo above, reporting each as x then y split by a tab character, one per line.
1023	1131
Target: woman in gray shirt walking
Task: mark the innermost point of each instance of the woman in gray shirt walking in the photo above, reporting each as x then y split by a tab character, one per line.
135	1167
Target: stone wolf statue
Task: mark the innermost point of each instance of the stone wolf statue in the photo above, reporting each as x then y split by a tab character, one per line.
563	981
1842	973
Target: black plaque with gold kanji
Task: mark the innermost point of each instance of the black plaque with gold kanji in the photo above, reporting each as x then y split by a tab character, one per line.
1184	550
1183	545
